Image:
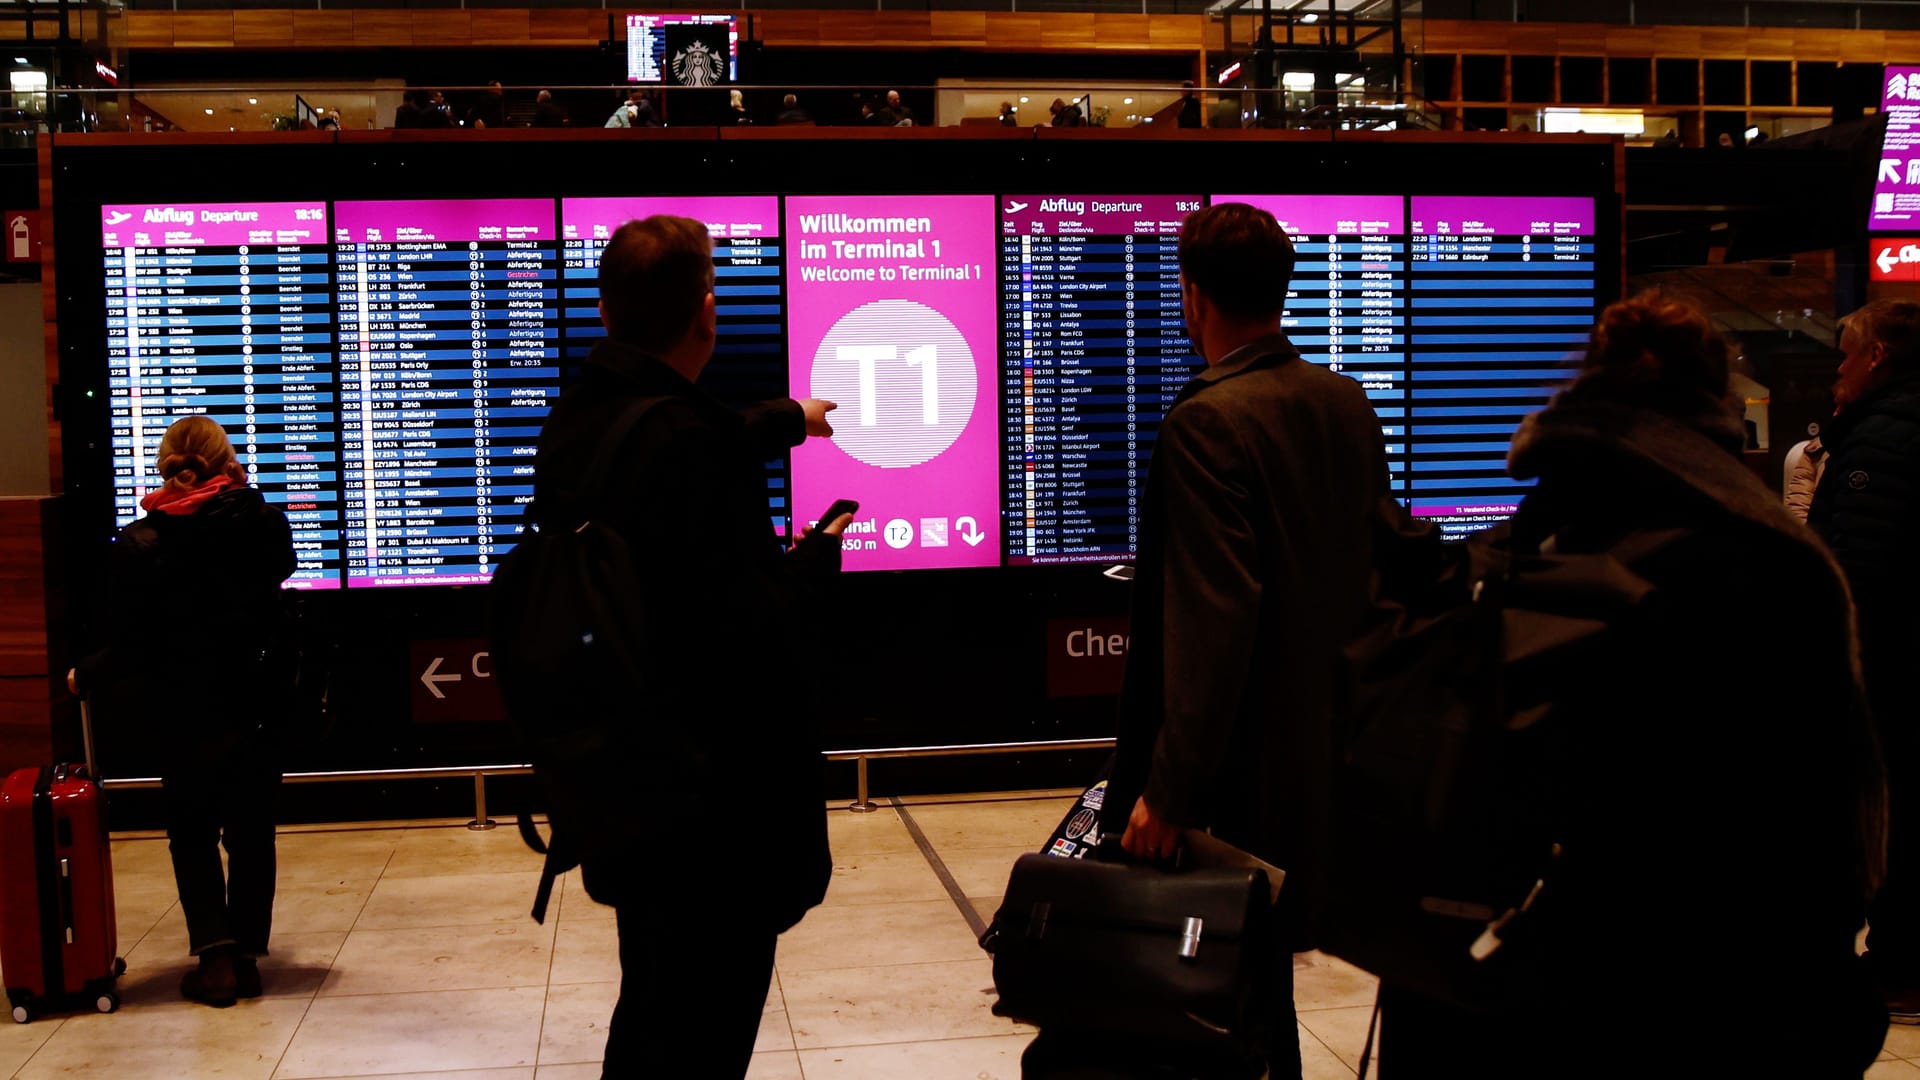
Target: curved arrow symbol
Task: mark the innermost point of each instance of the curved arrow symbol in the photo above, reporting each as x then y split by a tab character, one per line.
969	530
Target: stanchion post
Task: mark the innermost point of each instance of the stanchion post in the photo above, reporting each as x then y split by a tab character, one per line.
862	804
480	820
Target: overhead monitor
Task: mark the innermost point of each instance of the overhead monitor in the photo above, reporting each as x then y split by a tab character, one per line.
647	58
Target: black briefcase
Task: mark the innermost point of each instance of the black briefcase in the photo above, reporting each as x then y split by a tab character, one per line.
1180	956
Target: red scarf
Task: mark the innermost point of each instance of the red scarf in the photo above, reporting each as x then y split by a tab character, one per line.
173	500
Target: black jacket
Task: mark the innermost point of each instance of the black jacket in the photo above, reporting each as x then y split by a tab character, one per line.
1253	563
1867	508
727	717
549	114
189	611
490	110
1723	803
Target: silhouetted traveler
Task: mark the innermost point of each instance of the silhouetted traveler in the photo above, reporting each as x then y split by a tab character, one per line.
737	108
1009	114
412	110
1253	563
192	631
1867	508
1674	800
547	113
636	112
491	110
696	938
1189	106
435	112
898	112
791	113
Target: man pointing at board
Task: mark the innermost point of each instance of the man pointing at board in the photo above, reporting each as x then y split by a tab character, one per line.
724	707
1253	565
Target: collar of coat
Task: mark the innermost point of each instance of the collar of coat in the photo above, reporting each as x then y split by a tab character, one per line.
1899	396
1583	426
646	375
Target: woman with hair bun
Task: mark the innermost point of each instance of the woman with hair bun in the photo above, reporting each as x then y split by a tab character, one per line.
1721	803
195	608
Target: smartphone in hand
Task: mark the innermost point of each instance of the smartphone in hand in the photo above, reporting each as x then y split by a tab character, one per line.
840	506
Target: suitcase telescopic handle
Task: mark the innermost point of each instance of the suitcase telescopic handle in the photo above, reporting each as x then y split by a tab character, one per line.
86	738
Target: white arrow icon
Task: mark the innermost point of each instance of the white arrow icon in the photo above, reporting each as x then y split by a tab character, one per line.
431	678
1887	261
1890	170
970	531
1015	207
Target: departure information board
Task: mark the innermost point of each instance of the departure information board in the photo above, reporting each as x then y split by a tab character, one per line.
1002	364
449	334
1503	292
750	356
226	309
1346	307
1093	352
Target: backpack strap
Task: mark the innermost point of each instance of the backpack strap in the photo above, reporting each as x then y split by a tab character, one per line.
591	493
593	484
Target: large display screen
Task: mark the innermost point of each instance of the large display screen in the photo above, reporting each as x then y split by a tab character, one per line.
1093	351
750	357
1503	292
226	309
450	360
647	44
1001	363
1346	306
892	318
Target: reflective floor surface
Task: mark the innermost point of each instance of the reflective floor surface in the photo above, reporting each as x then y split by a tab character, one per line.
405	950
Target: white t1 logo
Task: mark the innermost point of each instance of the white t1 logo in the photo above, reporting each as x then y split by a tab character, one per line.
906	375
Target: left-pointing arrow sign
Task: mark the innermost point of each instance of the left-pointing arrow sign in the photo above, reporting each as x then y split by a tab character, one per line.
431	678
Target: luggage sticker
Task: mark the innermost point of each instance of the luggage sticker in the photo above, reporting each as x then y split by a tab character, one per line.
1081	823
1095	797
1063	848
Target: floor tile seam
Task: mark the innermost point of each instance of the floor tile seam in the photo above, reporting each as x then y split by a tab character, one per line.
38	1050
865	967
954	892
442	990
1328	1047
362	913
281	1061
906	1042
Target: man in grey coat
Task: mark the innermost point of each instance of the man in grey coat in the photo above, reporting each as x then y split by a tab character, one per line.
1253	568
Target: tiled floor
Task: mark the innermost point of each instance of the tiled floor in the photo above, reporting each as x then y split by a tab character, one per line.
406	952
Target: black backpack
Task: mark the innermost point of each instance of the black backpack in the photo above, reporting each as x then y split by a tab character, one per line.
567	646
1453	750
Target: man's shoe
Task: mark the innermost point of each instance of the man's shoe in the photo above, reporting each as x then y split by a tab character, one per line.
246	977
213	982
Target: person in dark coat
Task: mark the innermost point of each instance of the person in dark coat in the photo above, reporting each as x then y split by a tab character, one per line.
547	113
1189	106
412	110
1867	508
1253	563
194	608
1722	812
491	110
729	705
791	113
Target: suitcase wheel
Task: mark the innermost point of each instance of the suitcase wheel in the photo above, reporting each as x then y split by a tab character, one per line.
23	1014
107	1001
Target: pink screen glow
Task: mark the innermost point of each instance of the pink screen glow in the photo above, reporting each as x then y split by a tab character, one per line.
891	315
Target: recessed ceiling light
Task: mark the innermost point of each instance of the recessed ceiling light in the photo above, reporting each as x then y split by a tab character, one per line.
20	60
253	101
1023	101
1310	17
1126	101
209	112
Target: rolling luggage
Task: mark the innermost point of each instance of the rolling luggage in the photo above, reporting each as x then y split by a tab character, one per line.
58	943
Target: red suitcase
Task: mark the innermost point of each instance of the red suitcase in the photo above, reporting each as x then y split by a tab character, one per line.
58	942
